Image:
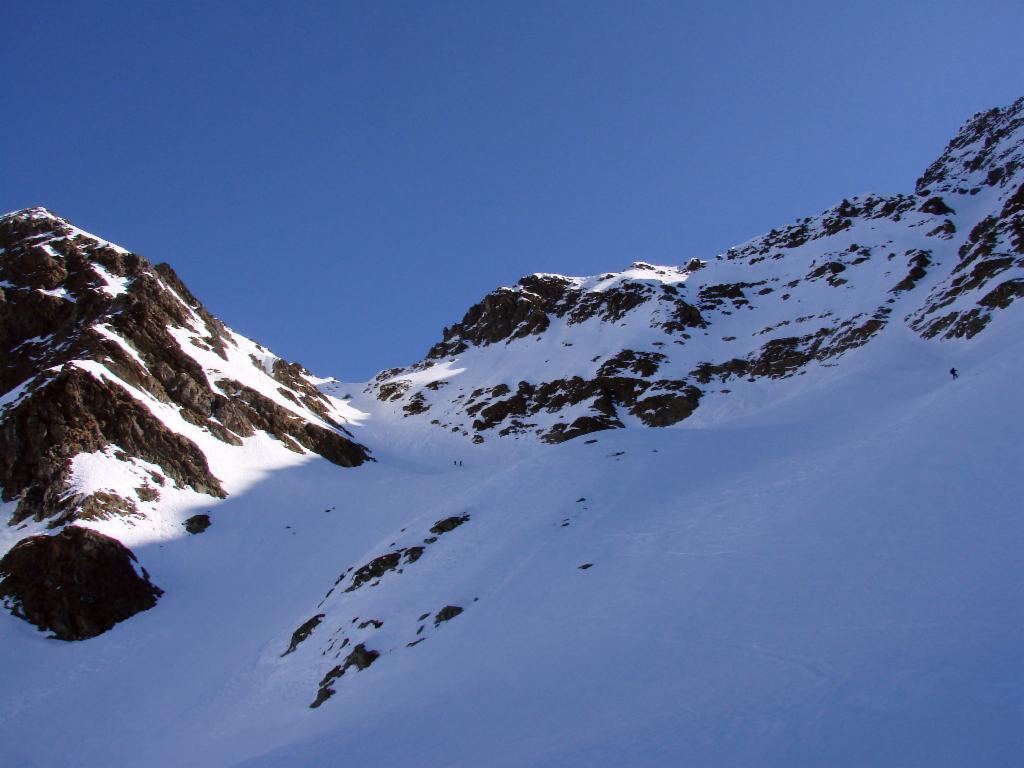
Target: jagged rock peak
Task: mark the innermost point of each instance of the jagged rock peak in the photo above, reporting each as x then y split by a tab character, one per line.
103	353
987	151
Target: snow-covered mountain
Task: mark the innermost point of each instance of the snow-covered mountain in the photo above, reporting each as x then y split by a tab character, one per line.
112	368
559	357
730	512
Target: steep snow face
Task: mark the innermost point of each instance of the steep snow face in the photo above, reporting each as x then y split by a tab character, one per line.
122	394
558	357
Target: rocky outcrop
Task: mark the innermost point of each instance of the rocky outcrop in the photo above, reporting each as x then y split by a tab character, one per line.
360	657
448	524
197	523
302	634
529	308
995	246
656	403
76	584
504	315
985	152
244	411
74	413
949	258
93	341
447	613
785	356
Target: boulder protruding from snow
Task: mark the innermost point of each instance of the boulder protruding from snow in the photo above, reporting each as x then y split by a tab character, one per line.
77	584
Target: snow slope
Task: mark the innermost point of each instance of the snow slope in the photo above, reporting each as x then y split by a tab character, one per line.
834	581
818	565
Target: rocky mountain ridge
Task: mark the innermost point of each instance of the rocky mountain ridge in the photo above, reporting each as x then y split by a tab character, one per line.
104	353
558	357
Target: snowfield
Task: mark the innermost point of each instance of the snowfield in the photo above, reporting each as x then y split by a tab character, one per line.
835	580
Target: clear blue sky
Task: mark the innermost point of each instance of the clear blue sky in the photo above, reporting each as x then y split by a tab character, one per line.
341	180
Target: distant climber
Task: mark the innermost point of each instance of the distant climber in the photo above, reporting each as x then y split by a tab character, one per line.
953	372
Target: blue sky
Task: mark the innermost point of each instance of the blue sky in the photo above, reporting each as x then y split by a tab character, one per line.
341	180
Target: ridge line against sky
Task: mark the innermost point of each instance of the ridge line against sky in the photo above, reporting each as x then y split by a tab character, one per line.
339	182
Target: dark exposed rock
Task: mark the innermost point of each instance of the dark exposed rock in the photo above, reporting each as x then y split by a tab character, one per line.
72	413
782	357
498	411
945	230
375	569
505	314
713	296
610	305
667	408
935	205
295	378
641	363
447	613
102	505
360	657
448	524
705	372
985	143
147	493
243	405
76	584
994	245
393	390
417	404
1003	294
384	563
657	403
834	224
828	268
197	523
583	425
303	632
684	316
514	313
919	261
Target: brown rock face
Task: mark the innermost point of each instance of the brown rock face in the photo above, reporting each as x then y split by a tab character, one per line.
74	309
361	657
988	143
75	413
77	584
